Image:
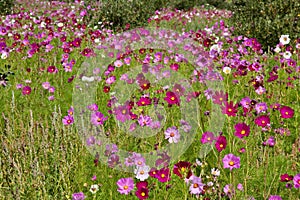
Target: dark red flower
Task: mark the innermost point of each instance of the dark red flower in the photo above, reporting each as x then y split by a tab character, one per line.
221	143
182	169
171	98
286	178
163	175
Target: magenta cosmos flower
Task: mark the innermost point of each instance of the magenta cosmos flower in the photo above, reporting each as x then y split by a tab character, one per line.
275	197
286	178
163	175
262	121
171	98
241	130
26	90
68	120
144	101
142	190
231	161
97	118
221	143
296	181
207	137
286	112
78	196
172	134
230	109
125	185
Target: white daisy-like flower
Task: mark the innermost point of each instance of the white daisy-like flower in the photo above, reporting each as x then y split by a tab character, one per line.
277	49
284	39
215	172
88	79
142	173
298	46
4	55
227	70
216	48
94	188
97	40
60	24
287	55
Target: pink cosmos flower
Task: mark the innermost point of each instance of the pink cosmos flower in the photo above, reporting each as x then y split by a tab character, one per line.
172	134
97	118
68	120
231	161
125	185
207	137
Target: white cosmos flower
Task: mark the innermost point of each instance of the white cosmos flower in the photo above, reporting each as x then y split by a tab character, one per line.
287	55
60	24
215	172
88	79
284	39
4	55
97	40
227	70
277	49
94	188
142	173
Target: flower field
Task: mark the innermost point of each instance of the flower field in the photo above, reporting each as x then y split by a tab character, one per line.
179	109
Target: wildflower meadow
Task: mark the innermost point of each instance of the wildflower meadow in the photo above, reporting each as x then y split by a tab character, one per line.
181	107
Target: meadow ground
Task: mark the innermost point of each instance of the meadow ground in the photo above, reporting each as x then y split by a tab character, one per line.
178	109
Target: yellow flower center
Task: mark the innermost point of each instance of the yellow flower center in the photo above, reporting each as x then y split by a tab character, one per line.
195	185
123	111
231	163
143	194
243	132
263	122
163	176
142	172
172	98
229	109
172	134
125	187
208	138
139	163
221	145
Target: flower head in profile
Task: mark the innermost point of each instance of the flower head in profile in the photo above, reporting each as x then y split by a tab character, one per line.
286	178
231	161
125	185
275	197
78	196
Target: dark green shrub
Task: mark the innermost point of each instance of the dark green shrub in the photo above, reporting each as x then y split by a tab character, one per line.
266	20
123	12
6	6
188	4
